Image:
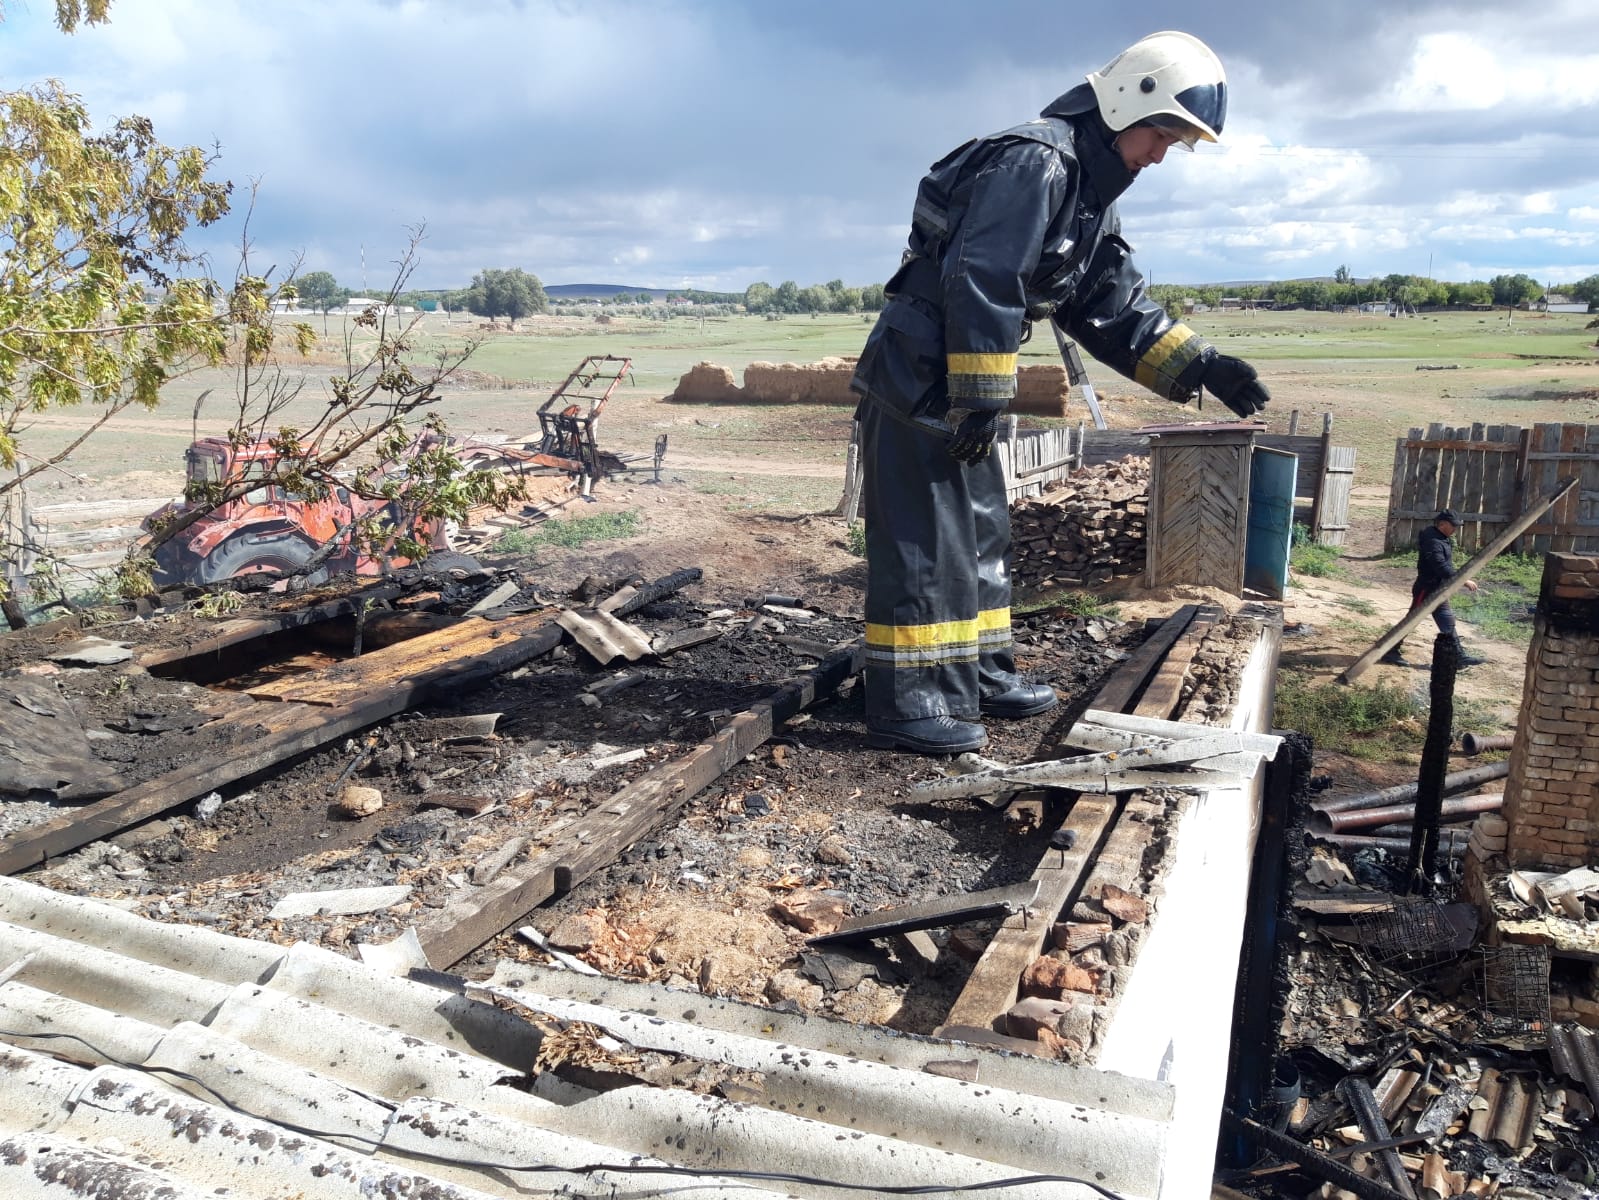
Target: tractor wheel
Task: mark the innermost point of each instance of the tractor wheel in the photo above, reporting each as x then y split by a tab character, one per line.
249	554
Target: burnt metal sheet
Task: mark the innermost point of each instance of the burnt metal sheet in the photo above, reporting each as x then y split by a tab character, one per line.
935	914
1575	1051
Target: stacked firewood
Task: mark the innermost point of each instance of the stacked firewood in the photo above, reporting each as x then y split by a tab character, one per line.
1084	530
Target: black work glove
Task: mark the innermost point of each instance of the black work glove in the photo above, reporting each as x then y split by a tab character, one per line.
974	436
1234	382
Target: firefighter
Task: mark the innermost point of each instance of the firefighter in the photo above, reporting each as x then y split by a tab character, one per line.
1435	566
1016	227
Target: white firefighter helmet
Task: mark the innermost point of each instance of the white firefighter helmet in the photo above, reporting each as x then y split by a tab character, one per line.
1171	80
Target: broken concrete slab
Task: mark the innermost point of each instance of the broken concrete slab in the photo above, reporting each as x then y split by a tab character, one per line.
93	652
340	901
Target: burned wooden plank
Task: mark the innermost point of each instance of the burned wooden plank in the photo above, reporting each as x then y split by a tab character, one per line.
244	629
1165	690
595	840
471	727
935	914
269	734
472	650
1125	681
995	980
684	639
1119	862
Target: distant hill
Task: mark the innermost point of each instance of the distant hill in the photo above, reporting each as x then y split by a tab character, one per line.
600	291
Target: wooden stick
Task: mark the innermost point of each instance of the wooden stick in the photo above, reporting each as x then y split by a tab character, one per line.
1480	560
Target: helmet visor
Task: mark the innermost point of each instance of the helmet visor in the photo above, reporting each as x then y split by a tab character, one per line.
1186	134
1208	103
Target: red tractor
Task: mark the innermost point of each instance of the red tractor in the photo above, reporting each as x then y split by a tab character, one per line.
267	529
271	530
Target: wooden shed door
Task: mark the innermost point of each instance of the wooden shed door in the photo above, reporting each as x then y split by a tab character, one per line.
1271	520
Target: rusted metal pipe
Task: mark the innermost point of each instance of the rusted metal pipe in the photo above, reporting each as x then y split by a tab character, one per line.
1401	814
1451	841
1401	829
1475	743
1454	784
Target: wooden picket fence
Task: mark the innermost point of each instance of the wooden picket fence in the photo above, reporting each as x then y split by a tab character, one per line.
1488	474
1035	457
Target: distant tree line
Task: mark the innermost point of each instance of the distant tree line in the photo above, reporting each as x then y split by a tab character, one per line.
831	297
1343	290
515	293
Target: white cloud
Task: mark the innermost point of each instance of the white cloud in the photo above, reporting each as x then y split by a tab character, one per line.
1459	71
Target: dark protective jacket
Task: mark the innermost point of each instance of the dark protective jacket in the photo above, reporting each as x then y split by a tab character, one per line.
1435	559
1010	228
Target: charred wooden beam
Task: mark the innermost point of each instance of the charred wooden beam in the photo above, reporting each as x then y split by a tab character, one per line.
995	980
352	695
934	914
1126	680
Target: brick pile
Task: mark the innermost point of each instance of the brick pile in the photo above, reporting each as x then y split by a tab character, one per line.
1552	795
1084	530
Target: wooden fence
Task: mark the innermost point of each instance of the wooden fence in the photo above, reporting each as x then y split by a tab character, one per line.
1489	474
1035	457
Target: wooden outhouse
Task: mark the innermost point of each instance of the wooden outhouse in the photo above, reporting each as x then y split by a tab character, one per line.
1220	509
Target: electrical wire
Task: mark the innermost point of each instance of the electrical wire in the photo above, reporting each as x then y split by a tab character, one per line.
987	1185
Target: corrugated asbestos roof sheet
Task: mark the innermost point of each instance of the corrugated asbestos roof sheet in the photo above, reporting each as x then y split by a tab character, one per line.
202	1065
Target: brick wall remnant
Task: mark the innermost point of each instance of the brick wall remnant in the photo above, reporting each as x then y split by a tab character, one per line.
1041	391
707	383
1552	794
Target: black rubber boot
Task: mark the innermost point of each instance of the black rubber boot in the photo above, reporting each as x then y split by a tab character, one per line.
1396	657
1464	658
927	735
1023	700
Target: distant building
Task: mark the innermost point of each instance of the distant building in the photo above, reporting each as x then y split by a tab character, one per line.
1559	302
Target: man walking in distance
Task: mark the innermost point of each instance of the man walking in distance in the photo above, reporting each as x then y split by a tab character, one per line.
1016	227
1435	566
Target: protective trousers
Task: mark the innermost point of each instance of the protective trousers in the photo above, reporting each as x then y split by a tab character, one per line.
937	576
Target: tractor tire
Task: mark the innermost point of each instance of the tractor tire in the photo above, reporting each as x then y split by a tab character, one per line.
249	554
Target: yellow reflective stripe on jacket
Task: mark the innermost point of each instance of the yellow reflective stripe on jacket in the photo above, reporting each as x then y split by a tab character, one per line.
1163	362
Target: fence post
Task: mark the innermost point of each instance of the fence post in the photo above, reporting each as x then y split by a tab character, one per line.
1321	477
1082	444
850	502
1518	498
1293	423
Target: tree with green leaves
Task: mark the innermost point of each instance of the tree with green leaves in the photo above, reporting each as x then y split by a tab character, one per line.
758	297
93	227
1586	290
318	291
1514	290
512	294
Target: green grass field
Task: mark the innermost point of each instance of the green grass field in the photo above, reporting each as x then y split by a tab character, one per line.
1361	368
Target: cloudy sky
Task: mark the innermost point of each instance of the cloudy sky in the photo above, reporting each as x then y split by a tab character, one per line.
715	142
